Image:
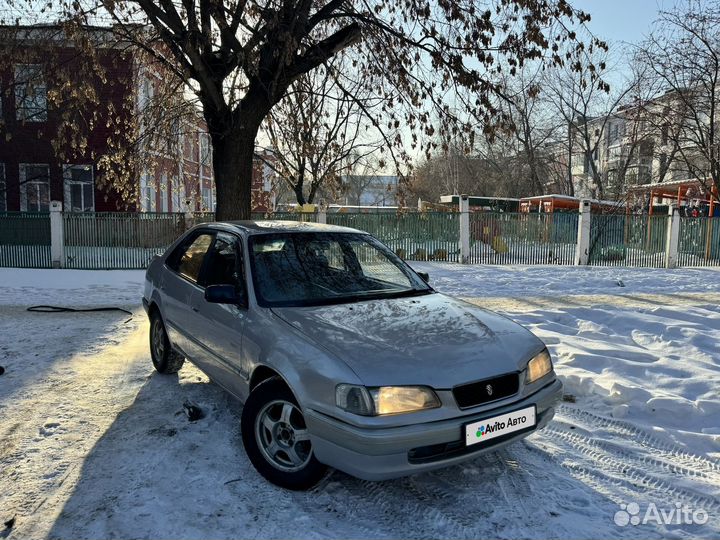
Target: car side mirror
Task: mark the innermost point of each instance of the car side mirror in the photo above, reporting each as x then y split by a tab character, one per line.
425	276
224	294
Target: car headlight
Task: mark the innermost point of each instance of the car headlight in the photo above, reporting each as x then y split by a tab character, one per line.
538	367
384	399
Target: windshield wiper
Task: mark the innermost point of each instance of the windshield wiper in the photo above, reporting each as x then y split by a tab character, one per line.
407	292
382	295
350	298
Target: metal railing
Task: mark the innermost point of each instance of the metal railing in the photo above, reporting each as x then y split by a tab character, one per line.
628	240
699	243
415	236
522	238
118	240
129	240
25	240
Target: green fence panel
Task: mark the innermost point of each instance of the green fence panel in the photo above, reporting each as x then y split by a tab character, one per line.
112	240
522	238
129	241
417	236
25	240
699	241
628	240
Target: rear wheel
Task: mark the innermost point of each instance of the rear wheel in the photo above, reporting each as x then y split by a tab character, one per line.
164	358
276	437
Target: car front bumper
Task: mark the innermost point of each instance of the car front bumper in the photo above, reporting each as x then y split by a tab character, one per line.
380	454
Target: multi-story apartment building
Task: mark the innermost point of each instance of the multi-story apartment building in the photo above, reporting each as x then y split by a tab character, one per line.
92	123
611	151
638	145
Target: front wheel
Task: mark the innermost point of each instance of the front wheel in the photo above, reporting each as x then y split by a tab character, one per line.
276	438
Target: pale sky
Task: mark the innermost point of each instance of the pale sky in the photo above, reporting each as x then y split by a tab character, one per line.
622	20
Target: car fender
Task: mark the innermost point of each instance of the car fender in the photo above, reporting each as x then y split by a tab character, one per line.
310	372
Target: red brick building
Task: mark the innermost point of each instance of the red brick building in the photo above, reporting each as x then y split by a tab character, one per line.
54	146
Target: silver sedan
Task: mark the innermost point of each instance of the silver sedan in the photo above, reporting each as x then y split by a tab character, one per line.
343	355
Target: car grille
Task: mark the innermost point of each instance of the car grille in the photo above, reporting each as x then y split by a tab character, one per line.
485	391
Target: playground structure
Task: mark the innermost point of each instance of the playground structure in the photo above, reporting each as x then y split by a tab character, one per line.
565	203
685	194
483	204
694	202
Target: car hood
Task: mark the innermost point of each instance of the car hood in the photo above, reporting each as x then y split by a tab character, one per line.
431	340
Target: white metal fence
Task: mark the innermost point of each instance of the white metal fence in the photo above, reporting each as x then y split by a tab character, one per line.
130	240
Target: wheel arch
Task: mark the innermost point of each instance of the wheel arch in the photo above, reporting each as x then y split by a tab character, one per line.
262	373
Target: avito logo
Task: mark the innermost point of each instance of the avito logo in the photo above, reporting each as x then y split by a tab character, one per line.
497	426
490	428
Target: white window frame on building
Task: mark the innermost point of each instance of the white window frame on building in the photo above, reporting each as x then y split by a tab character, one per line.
205	149
178	195
146	91
164	201
3	189
148	201
87	188
30	93
207	199
268	175
35	186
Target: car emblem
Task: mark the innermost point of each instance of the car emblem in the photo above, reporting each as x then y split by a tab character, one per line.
489	390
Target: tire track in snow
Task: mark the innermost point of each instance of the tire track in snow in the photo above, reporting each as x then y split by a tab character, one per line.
652	461
639	436
451	502
524	304
509	491
623	473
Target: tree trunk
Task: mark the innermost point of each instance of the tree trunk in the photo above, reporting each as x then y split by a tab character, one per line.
233	153
298	189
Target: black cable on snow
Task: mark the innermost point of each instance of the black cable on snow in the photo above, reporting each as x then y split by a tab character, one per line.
61	309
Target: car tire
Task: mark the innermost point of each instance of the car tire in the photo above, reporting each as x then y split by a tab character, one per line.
164	358
275	437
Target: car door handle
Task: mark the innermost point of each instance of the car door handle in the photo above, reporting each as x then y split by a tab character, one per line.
195	309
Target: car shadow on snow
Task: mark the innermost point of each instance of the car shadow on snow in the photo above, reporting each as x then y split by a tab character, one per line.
155	474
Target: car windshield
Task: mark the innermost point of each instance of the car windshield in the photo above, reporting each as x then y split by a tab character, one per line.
302	269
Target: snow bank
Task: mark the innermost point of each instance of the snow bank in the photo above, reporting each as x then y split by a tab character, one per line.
539	280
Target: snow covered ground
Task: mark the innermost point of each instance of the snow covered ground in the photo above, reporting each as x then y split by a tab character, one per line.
93	444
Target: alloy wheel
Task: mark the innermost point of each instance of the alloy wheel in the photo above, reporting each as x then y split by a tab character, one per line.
158	339
282	436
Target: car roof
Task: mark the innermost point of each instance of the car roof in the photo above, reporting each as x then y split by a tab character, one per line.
273	226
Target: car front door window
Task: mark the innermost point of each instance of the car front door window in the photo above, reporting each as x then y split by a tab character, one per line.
224	265
190	262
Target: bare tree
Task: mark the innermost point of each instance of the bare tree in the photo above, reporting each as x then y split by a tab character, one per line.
585	104
533	131
684	53
449	171
363	175
318	133
494	168
239	57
